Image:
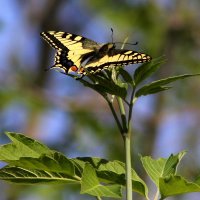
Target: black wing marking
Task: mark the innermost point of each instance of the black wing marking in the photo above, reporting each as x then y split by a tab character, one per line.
76	52
67	41
112	57
72	49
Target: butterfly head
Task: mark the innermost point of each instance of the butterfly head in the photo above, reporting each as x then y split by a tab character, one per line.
105	49
111	45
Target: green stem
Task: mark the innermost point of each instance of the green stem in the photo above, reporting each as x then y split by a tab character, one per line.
127	143
114	114
128	147
132	101
123	115
128	165
125	130
127	140
98	198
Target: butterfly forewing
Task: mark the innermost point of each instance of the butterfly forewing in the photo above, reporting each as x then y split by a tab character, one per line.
114	57
71	49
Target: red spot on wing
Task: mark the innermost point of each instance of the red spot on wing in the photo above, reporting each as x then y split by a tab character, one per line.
74	68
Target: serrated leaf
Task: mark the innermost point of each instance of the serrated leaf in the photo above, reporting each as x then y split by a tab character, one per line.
91	185
21	175
155	85
113	172
27	153
147	69
22	146
56	163
175	185
161	167
94	161
113	166
79	162
54	167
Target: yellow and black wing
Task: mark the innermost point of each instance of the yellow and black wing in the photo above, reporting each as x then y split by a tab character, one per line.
72	49
76	53
109	56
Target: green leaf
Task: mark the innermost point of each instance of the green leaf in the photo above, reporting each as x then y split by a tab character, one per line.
145	70
157	86
22	146
175	185
91	185
162	167
172	163
139	185
54	167
151	90
113	172
94	161
21	175
105	82
105	85
27	153
56	163
117	81
125	75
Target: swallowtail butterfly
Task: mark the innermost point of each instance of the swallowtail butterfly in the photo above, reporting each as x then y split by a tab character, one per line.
76	53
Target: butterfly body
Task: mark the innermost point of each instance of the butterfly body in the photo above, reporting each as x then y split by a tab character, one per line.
76	53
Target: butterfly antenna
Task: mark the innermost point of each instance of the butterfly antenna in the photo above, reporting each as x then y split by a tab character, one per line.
136	43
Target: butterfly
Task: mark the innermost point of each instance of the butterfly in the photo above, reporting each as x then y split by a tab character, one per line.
76	53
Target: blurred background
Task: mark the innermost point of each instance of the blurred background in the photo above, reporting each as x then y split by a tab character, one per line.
75	120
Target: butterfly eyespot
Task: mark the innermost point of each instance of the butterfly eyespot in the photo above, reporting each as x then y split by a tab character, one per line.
74	68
